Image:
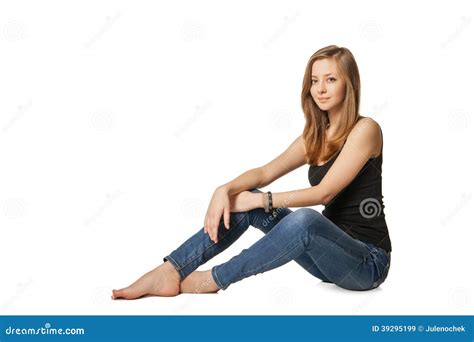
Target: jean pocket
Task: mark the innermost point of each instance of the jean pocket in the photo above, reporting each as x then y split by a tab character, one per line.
381	260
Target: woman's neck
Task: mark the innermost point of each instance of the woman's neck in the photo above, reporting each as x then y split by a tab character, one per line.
334	117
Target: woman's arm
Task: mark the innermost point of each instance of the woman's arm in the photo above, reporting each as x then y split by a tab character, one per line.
248	180
292	158
298	198
363	142
247	200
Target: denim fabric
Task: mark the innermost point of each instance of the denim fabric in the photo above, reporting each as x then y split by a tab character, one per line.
304	235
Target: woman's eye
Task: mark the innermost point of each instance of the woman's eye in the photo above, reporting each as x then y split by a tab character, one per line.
331	79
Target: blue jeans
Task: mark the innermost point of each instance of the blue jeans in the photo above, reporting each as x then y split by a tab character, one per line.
303	235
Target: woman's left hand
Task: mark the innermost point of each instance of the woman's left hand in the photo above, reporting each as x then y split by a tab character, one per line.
245	201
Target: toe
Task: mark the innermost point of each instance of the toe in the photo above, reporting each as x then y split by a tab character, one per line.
116	294
124	293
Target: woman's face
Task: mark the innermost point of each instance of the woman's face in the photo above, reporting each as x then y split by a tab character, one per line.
327	86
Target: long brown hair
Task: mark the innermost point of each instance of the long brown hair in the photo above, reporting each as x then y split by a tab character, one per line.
317	119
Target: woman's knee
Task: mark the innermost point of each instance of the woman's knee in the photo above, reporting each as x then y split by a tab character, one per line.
305	217
305	211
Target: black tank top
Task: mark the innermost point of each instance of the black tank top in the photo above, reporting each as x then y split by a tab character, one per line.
358	209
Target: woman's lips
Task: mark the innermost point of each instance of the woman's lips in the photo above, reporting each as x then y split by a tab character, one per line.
323	98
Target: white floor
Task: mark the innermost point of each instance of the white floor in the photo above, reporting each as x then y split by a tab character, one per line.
84	287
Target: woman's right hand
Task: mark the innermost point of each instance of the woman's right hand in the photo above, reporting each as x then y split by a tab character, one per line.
219	205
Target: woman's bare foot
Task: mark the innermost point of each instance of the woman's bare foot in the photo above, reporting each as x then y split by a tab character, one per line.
199	282
162	281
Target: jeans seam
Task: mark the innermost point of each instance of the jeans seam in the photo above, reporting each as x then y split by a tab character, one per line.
344	250
246	274
216	278
384	274
194	257
176	266
361	262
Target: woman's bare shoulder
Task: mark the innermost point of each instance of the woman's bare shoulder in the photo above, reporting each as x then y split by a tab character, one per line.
369	127
367	119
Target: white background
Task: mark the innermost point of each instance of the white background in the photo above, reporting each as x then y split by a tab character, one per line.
118	119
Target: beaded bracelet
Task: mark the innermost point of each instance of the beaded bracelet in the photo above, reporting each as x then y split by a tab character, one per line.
269	203
266	204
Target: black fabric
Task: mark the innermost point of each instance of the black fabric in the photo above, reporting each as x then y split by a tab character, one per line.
358	209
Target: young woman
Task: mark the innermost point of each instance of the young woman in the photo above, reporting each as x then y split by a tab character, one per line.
348	244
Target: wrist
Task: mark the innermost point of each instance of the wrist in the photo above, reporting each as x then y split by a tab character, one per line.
223	188
262	200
